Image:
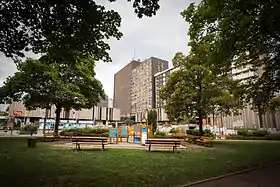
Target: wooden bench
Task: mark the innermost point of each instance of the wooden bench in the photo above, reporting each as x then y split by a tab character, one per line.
174	143
68	134
193	138
90	140
204	140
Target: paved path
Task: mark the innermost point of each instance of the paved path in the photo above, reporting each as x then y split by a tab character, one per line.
263	177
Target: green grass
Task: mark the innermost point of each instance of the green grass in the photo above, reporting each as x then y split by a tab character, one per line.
46	166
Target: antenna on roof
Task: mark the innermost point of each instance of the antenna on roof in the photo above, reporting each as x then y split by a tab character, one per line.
134	53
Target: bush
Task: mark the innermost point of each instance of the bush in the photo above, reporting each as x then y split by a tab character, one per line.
208	133
160	133
259	133
193	132
174	131
242	132
86	131
31	128
256	133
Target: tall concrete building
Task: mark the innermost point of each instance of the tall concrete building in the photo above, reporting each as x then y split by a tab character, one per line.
122	88
143	86
160	80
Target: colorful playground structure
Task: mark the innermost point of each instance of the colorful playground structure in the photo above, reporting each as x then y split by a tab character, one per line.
130	134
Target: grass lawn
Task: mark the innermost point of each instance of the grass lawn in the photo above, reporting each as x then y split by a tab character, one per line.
46	166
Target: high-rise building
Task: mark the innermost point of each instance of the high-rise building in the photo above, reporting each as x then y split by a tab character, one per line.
143	87
122	88
160	80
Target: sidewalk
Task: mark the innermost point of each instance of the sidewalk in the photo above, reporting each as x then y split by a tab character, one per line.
264	177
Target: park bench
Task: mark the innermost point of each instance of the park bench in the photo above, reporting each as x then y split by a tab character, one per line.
90	141
50	136
68	134
174	143
204	140
193	138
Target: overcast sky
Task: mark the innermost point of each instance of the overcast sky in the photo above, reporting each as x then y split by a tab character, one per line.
160	36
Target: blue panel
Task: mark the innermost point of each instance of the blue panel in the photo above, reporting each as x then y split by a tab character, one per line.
113	132
137	139
144	129
124	132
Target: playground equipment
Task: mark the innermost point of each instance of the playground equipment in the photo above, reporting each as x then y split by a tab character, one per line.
131	134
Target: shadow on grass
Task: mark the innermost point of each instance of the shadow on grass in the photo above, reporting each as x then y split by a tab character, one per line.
89	150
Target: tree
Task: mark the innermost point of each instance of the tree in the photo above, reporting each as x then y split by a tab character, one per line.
274	105
240	33
152	119
45	82
191	90
62	26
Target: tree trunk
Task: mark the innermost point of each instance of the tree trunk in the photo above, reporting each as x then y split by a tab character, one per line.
274	125
200	121
45	120
222	125
261	120
57	117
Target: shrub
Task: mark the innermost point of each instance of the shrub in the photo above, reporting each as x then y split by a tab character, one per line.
255	133
208	133
160	133
86	131
259	133
242	132
174	131
31	128
193	132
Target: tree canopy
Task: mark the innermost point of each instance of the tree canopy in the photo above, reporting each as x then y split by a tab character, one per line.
239	32
152	119
44	82
194	91
62	26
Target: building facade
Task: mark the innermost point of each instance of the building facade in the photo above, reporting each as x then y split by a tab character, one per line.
122	88
143	86
160	80
99	114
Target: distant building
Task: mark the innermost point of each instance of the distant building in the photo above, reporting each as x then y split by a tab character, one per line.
97	114
104	102
122	88
143	86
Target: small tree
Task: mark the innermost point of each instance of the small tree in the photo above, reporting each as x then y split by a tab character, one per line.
152	119
45	82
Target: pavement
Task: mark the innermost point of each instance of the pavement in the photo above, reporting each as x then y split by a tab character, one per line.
268	176
121	145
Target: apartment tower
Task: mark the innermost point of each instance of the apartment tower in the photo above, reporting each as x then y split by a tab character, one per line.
143	86
122	88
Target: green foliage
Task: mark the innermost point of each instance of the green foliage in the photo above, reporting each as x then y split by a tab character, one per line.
208	133
192	121
196	91
31	128
152	119
193	132
62	26
160	133
86	131
257	133
174	130
46	82
239	34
